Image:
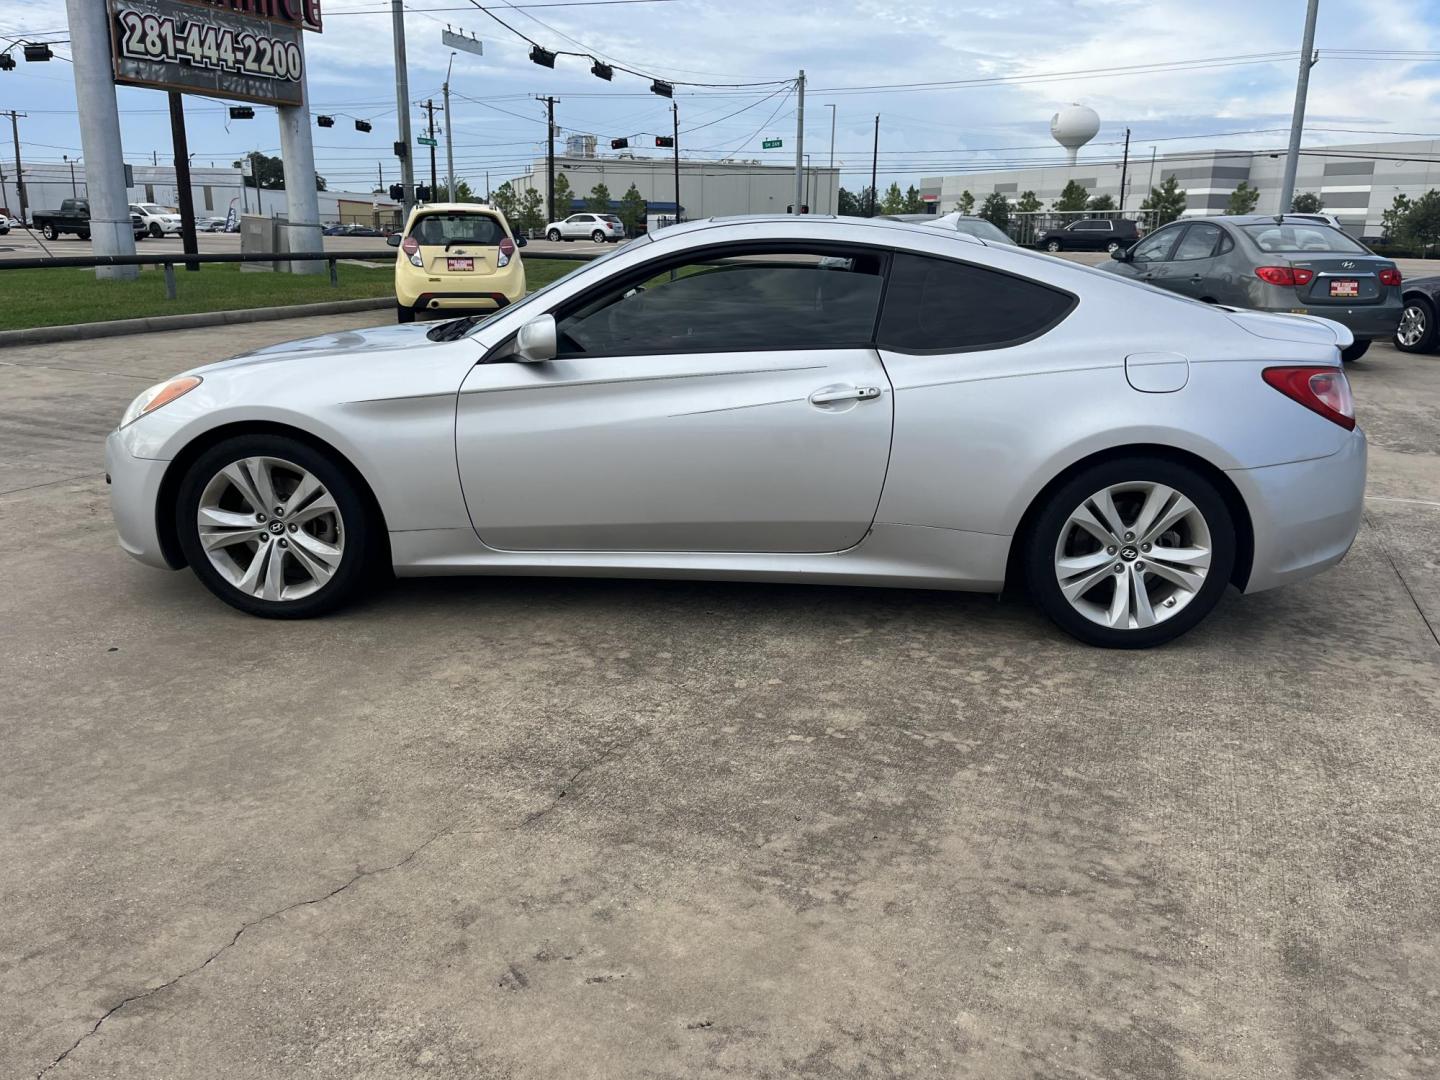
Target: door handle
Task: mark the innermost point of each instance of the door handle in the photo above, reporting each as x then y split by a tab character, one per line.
853	393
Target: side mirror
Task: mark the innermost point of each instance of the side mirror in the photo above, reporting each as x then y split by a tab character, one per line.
537	340
1121	254
393	239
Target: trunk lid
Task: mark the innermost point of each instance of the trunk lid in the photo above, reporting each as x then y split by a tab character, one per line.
1342	280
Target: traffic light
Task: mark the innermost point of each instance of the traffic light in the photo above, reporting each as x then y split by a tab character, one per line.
362	125
602	71
7	62
325	121
422	194
241	112
397	192
664	141
619	144
35	52
664	89
543	57
402	151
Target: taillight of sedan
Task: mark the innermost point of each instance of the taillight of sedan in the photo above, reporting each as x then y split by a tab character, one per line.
1323	390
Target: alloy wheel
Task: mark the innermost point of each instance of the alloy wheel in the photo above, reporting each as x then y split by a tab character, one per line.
1133	555
1412	328
271	528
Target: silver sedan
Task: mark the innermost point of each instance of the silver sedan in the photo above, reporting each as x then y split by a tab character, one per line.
780	399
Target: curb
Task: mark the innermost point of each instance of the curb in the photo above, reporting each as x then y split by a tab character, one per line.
42	335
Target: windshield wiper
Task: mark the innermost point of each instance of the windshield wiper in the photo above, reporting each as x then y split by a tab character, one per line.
454	329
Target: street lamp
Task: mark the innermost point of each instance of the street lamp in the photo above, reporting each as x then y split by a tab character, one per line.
71	162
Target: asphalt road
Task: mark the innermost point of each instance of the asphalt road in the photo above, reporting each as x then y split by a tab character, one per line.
542	828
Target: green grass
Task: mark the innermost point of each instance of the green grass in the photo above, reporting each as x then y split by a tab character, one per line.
67	295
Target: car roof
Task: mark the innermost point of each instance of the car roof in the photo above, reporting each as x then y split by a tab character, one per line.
1270	219
818	226
453	207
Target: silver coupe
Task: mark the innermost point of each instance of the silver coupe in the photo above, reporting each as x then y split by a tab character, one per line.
783	399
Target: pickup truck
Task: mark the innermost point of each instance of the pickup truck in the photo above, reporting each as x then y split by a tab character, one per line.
74	217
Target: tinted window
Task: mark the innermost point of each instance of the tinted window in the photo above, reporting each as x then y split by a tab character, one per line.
436	230
772	301
936	304
1199	242
1156	246
1297	238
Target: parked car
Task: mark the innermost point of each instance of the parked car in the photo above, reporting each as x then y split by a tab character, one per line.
1418	330
1091	234
334	229
937	412
210	224
957	222
73	218
456	256
1288	264
159	220
597	227
1323	219
4	226
361	230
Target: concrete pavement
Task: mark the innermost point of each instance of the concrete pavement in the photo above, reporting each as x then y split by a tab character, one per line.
544	828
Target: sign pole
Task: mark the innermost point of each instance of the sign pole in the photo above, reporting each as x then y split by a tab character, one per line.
297	152
800	143
402	106
182	179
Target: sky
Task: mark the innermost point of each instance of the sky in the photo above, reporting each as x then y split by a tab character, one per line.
858	57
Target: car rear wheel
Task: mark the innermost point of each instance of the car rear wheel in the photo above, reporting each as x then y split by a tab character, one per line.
48	232
1354	351
598	236
84	235
1131	553
274	527
1416	332
1053	245
553	236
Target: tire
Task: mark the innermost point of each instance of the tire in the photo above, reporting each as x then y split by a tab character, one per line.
1354	352
598	236
339	539
156	231
1053	245
404	314
48	232
553	236
1094	613
82	236
1113	246
1416	332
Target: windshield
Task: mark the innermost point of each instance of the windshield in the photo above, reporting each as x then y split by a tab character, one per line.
1303	239
151	208
457	227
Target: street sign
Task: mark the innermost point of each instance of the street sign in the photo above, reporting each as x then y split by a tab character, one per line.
771	144
452	40
425	140
195	49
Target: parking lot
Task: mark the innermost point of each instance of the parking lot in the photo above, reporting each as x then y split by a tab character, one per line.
543	828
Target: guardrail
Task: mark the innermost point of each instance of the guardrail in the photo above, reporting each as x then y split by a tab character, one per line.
169	262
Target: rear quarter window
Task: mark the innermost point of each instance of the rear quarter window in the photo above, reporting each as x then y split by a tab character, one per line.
939	305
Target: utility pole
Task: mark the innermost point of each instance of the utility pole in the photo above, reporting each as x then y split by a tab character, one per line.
19	172
1124	167
449	137
675	111
874	167
800	142
434	180
402	107
549	156
188	243
1152	171
831	107
1297	121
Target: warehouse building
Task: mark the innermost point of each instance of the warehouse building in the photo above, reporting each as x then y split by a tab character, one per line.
1357	182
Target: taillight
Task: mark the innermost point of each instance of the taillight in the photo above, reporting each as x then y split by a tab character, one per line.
1390	276
1323	390
411	247
1285	275
507	248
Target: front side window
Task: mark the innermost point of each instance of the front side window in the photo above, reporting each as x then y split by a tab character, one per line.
1156	247
1199	242
938	305
439	230
793	299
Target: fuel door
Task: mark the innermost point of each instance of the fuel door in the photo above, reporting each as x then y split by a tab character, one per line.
1157	372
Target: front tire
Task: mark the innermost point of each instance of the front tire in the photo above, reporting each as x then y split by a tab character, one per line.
553	236
1416	332
1131	553
274	527
48	232
1053	245
1354	351
156	231
1113	246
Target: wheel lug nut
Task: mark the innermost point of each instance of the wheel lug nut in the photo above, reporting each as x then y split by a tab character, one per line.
283	542
293	526
1129	536
279	511
1138	566
1111	550
260	518
1119	568
1144	547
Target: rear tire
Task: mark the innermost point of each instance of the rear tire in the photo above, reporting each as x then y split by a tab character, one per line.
1416	332
82	236
598	236
1072	573
339	539
553	236
1054	245
404	314
1354	352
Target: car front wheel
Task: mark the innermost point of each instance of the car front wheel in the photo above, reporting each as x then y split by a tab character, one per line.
1113	246
1053	245
274	527
48	232
553	236
1416	332
1131	553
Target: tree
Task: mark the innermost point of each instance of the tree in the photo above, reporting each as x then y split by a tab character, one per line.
913	203
269	172
850	204
1422	224
1307	202
506	201
632	210
869	204
996	210
1392	221
1073	198
532	211
966	203
894	201
1102	202
1029	204
1242	199
564	197
1168	201
319	182
598	201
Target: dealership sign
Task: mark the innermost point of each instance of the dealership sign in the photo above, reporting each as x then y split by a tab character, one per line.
245	50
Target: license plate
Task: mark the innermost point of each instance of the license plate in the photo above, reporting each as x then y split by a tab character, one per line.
469	264
1344	287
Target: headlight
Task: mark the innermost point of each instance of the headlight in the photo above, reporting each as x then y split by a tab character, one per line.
159	394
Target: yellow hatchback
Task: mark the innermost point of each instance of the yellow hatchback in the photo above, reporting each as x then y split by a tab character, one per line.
456	257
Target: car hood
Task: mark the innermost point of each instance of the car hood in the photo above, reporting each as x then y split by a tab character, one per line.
1280	326
369	343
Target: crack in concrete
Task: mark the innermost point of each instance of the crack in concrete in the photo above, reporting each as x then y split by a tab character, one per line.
609	751
1385	550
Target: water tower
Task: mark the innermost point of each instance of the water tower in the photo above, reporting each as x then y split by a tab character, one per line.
1074	126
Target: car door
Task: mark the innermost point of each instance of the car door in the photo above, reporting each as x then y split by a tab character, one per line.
732	400
1086	235
1191	269
1149	259
577	225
